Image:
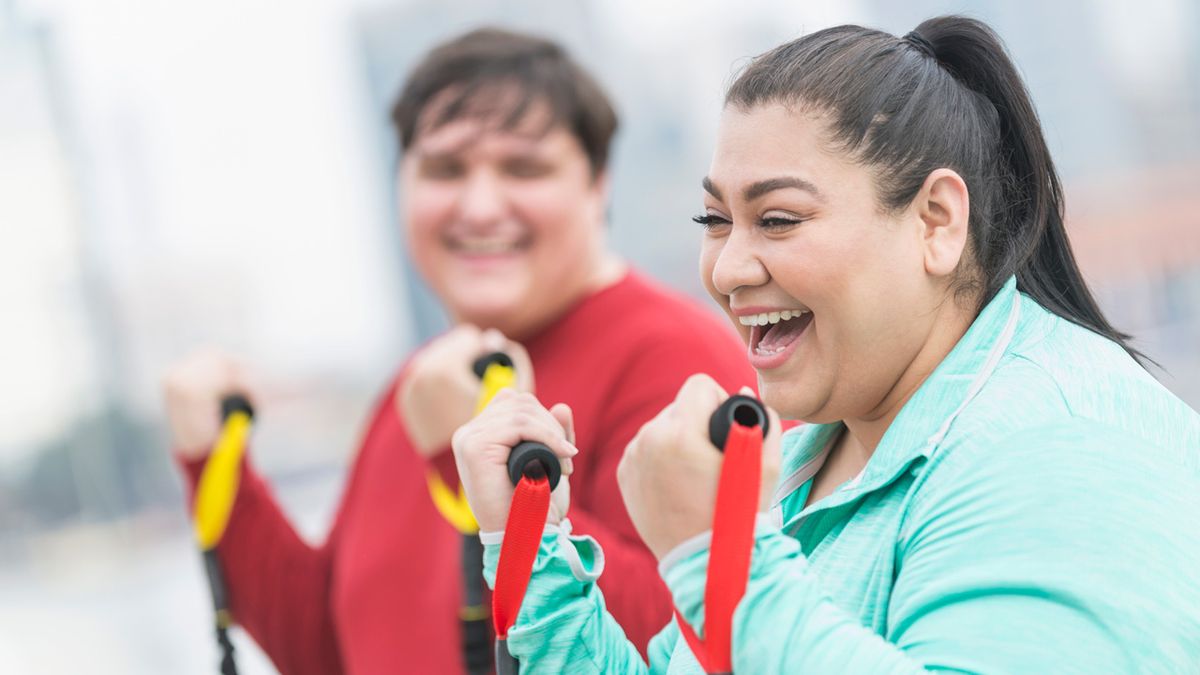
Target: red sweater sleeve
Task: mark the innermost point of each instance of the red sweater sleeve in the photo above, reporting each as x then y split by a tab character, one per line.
278	585
633	591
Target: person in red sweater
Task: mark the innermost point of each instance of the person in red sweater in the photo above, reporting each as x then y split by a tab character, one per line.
504	180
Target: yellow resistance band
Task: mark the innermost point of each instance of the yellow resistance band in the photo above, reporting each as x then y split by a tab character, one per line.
219	480
453	506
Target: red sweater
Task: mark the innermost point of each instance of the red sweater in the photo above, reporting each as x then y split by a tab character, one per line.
382	594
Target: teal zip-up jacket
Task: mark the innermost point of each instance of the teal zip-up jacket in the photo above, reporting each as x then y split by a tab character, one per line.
1035	507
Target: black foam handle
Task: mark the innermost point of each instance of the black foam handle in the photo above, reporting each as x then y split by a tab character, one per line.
506	663
530	458
737	409
216	581
481	364
236	403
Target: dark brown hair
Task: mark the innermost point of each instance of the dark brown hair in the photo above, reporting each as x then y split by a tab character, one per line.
499	75
945	95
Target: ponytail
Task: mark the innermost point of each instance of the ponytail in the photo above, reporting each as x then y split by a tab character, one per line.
1028	229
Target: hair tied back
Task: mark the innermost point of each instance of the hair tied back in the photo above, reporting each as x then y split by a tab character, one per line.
922	45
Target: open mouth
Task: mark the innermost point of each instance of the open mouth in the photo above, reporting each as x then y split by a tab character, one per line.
772	333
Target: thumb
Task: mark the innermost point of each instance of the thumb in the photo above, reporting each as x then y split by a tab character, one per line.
493	340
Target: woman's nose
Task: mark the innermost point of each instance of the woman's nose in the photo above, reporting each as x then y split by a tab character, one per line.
739	263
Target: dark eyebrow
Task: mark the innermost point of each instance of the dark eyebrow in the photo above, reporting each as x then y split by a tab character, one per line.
711	189
762	187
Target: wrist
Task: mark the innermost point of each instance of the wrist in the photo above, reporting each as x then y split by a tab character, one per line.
432	450
426	443
189	454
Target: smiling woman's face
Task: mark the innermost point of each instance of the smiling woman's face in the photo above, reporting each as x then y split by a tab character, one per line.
794	228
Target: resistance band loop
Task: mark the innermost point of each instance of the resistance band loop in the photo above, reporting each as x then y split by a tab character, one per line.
522	536
219	480
495	372
729	553
215	494
453	504
534	471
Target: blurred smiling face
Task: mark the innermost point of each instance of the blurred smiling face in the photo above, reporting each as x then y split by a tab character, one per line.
828	291
505	224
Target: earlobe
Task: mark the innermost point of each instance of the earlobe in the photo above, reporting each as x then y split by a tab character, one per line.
944	207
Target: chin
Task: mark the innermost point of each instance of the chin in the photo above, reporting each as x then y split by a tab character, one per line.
793	400
778	396
485	301
486	316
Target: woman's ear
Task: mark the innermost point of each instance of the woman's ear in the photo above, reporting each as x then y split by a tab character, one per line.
944	207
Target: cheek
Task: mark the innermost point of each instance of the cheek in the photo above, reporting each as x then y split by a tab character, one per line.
885	288
710	250
875	307
556	212
427	210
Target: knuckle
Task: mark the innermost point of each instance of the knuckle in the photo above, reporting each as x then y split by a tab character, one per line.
656	435
696	380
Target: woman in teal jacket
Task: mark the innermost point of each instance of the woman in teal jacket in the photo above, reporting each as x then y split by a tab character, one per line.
989	480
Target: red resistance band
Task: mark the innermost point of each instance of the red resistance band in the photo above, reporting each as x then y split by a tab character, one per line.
729	553
522	535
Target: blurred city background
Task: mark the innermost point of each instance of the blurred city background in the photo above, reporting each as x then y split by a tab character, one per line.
176	174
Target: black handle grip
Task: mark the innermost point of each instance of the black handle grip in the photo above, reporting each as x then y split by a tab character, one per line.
236	403
530	458
506	663
741	409
481	364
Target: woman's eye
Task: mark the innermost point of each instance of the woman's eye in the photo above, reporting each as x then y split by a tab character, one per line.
778	224
710	221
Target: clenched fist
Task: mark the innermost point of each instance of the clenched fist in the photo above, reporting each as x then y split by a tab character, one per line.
193	389
440	390
668	475
481	449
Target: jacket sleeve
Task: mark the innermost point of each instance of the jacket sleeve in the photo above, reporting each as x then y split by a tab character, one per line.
278	585
1005	565
563	625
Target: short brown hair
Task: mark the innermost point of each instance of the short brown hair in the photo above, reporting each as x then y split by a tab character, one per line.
466	74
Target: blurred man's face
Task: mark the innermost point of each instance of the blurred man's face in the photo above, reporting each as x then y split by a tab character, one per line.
506	226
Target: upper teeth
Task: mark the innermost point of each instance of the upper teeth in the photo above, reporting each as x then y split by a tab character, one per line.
770	317
485	246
